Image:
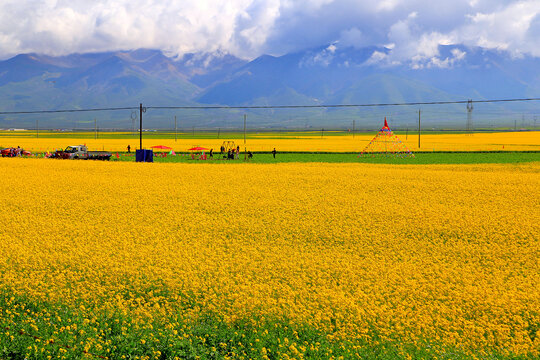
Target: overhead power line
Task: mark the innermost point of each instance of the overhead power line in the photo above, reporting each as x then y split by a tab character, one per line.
265	106
341	105
66	110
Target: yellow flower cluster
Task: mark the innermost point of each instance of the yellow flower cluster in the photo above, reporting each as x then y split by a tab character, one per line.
444	254
501	141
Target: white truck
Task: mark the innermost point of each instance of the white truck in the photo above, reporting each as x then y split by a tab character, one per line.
81	152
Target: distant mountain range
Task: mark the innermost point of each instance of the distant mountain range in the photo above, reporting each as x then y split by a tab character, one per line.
329	74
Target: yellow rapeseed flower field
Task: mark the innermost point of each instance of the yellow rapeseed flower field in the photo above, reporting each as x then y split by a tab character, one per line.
427	258
499	141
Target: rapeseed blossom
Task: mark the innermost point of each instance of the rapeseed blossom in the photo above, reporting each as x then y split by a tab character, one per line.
498	141
446	255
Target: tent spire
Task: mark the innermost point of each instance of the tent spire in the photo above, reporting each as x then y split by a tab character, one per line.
385	127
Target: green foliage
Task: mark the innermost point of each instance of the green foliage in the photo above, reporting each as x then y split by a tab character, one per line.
418	159
37	329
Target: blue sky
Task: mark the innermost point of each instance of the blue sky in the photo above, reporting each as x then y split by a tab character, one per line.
249	28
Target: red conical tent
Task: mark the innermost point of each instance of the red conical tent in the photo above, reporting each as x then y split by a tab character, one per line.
385	127
386	143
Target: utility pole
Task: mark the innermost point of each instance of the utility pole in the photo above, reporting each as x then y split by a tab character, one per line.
175	134
470	108
218	131
322	133
141	110
37	128
353	127
515	125
95	128
419	112
245	148
245	116
407	133
193	131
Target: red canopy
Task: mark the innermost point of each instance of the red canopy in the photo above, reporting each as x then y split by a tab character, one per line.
197	148
162	147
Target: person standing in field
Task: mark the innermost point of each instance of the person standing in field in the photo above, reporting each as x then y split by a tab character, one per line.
211	155
274	152
129	149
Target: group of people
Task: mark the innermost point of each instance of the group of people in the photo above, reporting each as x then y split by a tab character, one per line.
232	154
235	153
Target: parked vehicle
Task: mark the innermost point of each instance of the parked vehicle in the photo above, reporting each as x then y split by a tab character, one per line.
80	152
11	152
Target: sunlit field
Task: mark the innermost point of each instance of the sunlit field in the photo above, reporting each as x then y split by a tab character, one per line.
268	261
309	142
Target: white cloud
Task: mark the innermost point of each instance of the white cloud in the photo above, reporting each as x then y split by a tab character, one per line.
513	28
377	58
352	37
248	28
413	44
59	27
457	55
387	5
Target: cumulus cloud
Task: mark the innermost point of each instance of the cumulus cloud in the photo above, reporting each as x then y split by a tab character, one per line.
249	28
353	37
377	57
514	27
413	44
64	26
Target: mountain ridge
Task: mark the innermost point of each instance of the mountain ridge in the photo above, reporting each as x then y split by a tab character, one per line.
328	74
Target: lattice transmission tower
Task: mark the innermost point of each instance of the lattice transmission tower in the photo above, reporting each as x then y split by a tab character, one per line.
470	108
